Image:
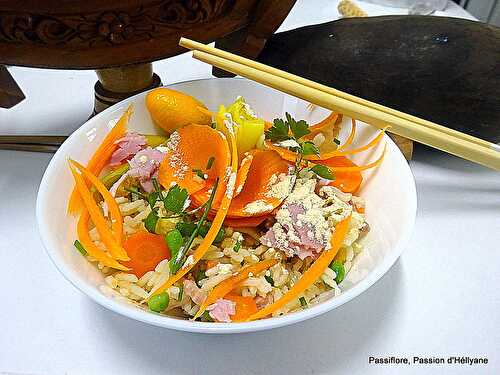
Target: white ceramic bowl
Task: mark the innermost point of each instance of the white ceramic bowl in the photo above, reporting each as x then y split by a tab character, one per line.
389	192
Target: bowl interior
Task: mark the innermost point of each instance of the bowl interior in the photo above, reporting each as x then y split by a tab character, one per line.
389	192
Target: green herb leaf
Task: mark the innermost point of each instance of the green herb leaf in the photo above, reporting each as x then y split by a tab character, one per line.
303	302
152	198
174	242
278	132
309	148
237	246
210	162
269	279
150	221
185	228
200	275
134	190
206	316
80	247
175	199
323	171
298	128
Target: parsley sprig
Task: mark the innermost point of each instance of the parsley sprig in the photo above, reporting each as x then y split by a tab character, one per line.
289	129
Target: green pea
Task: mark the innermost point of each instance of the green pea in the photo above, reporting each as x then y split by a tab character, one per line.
339	270
174	242
159	302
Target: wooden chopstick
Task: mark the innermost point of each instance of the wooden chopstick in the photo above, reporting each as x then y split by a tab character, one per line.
193	45
56	140
485	155
29	147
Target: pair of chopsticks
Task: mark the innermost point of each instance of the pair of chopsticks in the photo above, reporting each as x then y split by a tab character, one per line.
35	143
452	141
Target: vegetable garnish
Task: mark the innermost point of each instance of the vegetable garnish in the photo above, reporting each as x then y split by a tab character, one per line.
348	182
159	302
265	165
244	222
237	246
350	138
242	174
116	216
177	262
145	250
114	175
216	223
226	286
311	274
322	171
339	270
174	241
189	148
303	302
90	247
101	156
210	162
245	307
107	236
80	247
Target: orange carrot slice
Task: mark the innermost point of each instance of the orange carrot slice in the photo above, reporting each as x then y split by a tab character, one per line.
107	236
191	148
245	307
350	138
90	247
348	182
117	220
375	141
242	175
264	166
245	222
101	156
145	250
216	223
226	286
332	121
373	164
312	274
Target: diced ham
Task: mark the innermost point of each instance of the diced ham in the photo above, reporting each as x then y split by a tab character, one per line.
191	289
303	243
221	310
128	146
144	165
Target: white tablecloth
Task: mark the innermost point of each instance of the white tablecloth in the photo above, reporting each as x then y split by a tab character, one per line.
440	299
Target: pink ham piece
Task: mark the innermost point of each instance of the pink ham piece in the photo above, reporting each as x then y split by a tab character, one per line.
221	310
144	165
307	245
196	294
128	146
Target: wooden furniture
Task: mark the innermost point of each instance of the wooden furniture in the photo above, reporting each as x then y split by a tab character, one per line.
120	39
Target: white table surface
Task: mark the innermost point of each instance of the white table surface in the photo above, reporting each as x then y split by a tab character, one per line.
440	299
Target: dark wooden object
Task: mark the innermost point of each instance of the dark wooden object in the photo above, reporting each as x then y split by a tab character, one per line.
446	70
96	34
10	92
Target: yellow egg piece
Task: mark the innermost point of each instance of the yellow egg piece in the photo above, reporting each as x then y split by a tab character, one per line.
172	109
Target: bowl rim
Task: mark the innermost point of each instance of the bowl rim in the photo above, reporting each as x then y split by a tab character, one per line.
206	327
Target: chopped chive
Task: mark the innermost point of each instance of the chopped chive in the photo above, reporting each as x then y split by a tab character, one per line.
336	141
80	247
176	263
181	292
269	279
199	173
303	302
134	190
237	246
210	162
